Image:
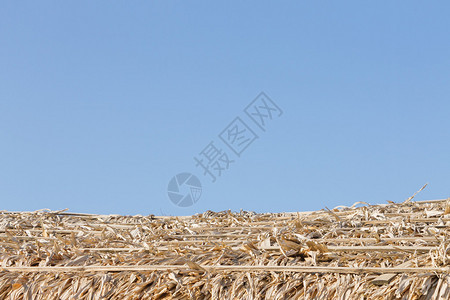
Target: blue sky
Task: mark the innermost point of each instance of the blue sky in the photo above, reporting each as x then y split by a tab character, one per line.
102	103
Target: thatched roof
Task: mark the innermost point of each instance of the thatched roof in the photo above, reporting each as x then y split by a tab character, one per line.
368	252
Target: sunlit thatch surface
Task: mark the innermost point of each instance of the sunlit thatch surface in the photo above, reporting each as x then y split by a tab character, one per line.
337	254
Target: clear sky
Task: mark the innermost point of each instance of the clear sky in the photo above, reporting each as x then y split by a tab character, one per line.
102	103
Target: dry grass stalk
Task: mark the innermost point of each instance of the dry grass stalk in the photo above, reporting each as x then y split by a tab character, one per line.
394	251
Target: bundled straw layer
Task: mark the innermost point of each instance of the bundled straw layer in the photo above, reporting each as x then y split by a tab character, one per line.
392	251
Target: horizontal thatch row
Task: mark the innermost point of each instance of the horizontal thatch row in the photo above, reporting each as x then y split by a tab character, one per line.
392	251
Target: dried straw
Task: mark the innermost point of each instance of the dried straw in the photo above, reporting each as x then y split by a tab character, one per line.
389	251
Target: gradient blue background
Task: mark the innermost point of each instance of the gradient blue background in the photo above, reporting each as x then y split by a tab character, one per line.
101	103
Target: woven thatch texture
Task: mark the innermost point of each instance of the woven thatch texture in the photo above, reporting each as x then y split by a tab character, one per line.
329	254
